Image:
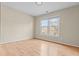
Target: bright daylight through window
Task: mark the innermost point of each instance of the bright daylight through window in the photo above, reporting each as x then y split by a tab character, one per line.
50	26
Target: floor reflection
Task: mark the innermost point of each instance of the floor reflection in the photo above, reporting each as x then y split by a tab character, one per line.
47	50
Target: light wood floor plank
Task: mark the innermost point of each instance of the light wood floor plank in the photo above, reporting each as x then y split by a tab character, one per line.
37	47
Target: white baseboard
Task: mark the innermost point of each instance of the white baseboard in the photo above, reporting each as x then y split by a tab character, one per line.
16	40
60	42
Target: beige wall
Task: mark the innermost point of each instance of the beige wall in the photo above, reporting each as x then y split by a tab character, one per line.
15	25
69	26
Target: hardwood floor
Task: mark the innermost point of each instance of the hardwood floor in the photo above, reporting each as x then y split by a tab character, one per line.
37	48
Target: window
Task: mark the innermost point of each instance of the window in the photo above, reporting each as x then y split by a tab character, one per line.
44	26
54	26
50	26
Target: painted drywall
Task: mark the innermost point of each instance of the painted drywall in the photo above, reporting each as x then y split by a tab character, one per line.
15	25
69	26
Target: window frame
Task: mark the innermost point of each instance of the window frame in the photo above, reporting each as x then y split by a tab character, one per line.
58	26
41	29
48	27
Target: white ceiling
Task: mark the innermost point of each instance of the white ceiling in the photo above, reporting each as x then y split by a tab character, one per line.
32	9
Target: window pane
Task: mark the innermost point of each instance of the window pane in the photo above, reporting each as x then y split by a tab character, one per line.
54	26
44	26
44	23
50	26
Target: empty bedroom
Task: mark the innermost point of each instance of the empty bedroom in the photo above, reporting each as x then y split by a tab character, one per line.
39	28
